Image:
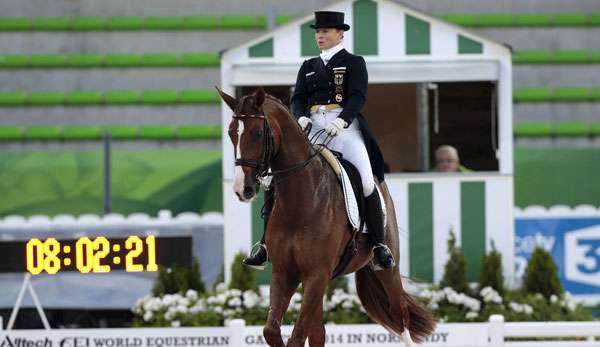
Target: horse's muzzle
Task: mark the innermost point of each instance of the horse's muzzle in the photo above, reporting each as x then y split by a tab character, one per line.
248	193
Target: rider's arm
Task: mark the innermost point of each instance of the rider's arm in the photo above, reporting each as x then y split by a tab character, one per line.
300	96
357	90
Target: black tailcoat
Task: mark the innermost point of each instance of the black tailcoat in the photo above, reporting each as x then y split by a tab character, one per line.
316	85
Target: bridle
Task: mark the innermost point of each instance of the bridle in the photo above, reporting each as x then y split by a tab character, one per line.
268	146
268	151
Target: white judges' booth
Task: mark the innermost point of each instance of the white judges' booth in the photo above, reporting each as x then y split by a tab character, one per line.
430	83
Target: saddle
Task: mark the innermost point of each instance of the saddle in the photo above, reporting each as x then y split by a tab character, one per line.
354	199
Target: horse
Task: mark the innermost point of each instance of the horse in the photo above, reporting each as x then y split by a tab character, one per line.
308	229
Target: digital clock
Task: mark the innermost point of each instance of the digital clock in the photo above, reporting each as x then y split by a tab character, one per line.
98	254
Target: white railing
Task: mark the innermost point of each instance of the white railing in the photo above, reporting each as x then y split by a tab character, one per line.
495	333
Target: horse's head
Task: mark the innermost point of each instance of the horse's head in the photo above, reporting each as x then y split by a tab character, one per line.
250	135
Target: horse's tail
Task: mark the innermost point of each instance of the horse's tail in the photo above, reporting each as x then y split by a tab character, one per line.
377	304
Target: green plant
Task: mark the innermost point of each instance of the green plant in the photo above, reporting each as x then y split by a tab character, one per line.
491	271
178	279
242	276
541	275
340	282
455	268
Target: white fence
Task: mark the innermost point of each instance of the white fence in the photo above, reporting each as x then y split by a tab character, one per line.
494	333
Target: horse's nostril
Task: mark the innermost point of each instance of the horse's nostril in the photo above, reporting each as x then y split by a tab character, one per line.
248	192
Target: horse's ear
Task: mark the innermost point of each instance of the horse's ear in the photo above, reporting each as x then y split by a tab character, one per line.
229	100
259	97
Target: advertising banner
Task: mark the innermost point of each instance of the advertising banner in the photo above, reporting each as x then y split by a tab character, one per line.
364	335
573	242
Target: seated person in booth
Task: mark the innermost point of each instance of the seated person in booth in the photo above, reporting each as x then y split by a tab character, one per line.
447	160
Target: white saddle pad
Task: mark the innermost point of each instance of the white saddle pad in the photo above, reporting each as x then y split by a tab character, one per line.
349	197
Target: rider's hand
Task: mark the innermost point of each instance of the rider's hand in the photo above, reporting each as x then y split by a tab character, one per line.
336	127
304	122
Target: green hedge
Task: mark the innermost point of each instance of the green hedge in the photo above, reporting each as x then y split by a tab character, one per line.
117	132
564	129
113	97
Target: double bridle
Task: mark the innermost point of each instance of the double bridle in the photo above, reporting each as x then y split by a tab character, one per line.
268	152
262	166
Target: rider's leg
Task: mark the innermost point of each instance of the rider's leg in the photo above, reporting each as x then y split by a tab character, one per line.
355	152
259	257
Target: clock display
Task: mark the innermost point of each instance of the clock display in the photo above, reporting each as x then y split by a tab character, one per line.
97	254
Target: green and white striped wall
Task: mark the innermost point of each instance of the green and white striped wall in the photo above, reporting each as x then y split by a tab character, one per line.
477	207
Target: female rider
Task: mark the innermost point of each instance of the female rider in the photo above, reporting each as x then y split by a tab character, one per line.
330	92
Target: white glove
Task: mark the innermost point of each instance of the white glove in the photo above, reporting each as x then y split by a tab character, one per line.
336	127
304	122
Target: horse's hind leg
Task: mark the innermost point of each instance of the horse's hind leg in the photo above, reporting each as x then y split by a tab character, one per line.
310	320
282	289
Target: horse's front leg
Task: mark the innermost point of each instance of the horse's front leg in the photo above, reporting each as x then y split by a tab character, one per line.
282	288
310	320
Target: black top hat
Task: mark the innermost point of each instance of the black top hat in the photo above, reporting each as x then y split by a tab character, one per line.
330	19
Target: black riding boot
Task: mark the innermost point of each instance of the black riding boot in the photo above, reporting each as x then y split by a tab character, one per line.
376	231
259	257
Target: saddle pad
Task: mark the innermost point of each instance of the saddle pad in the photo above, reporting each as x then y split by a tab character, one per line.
352	208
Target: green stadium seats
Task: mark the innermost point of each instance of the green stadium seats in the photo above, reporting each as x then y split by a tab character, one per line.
117	132
260	22
42	133
20	61
81	133
10	133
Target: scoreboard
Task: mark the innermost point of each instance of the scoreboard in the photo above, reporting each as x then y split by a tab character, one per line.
99	254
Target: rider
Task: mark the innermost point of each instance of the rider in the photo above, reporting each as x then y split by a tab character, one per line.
330	92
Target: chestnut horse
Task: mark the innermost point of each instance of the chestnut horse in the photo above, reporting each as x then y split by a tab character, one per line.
308	228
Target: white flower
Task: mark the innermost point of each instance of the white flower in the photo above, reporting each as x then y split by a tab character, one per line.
528	310
183	302
434	305
170	314
218	309
233	292
250	299
221	287
553	298
297	297
235	302
471	315
191	294
181	309
347	304
169	300
176	323
148	316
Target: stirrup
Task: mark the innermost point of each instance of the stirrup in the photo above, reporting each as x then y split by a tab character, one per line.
252	255
376	264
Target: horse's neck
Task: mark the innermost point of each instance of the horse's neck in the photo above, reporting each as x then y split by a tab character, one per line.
294	150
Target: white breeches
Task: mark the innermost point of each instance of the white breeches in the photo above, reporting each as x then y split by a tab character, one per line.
350	143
